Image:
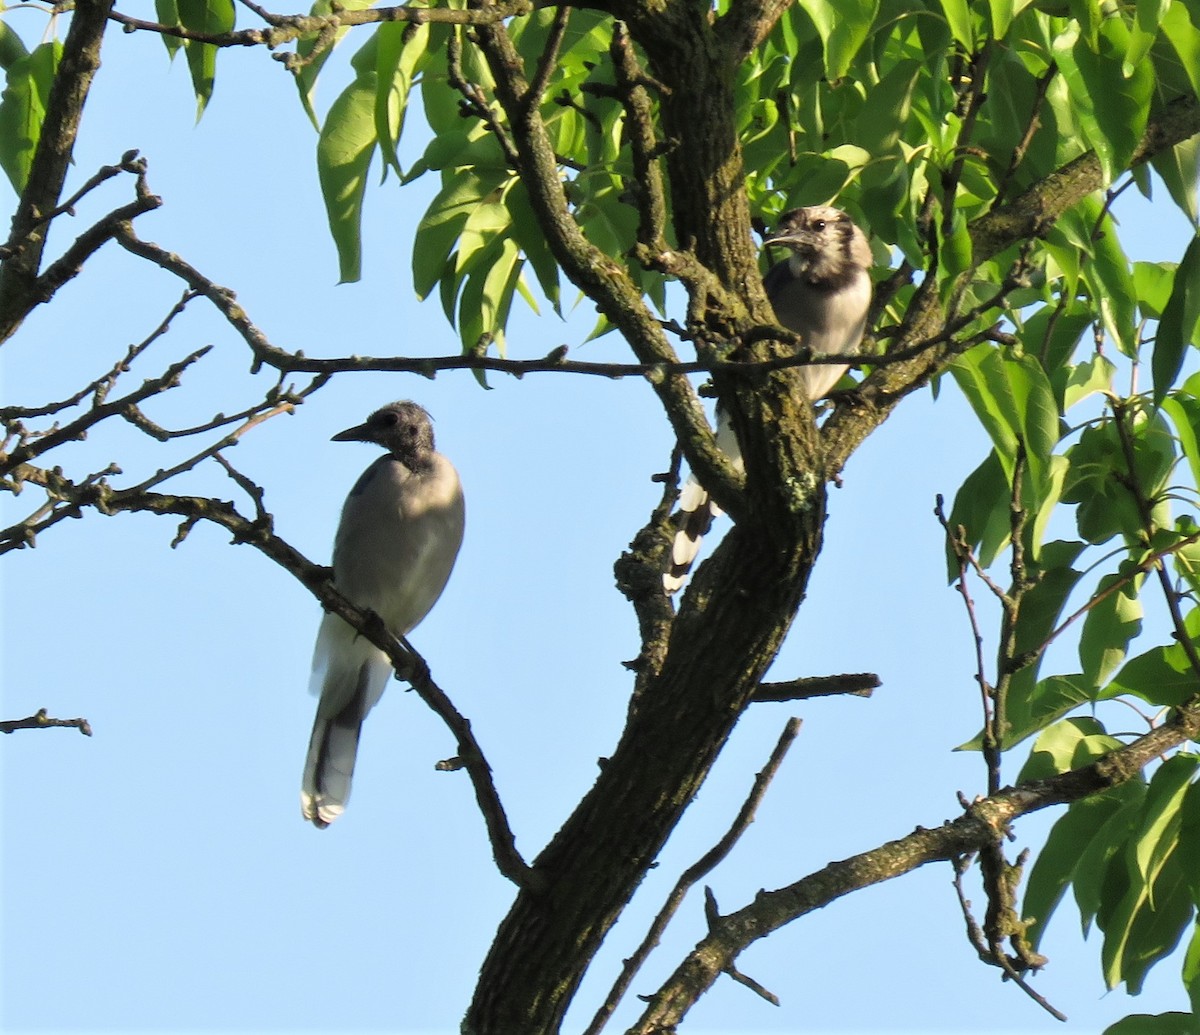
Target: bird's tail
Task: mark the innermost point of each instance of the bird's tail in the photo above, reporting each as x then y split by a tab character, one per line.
692	519
695	513
351	674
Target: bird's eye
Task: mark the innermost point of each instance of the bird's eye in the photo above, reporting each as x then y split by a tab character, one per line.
819	225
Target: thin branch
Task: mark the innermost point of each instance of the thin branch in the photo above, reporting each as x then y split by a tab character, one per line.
1030	214
982	822
41	720
128	163
102	385
646	185
549	58
1031	128
965	556
286	28
601	277
987	953
703	866
78	428
855	684
69	264
475	100
257	533
51	160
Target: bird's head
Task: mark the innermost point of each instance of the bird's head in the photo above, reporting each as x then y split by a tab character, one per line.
826	246
403	428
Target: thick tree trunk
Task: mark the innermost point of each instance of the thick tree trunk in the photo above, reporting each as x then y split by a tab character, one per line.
731	623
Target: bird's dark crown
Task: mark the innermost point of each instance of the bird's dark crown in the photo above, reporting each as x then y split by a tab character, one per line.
403	428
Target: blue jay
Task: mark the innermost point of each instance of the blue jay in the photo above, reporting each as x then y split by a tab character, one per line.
397	541
821	292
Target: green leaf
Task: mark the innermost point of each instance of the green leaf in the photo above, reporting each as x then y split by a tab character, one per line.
1145	923
1027	714
1186	557
344	152
1184	413
1152	281
439	229
23	108
1189	848
962	26
1013	400
1100	472
1109	277
167	12
981	509
487	295
1191	966
844	27
402	52
1179	167
1104	851
878	126
211	17
1143	32
1058	469
1145	902
1109	627
306	77
1179	324
1093	376
1177	27
1065	745
1161	814
11	47
1161	676
1112	103
954	249
1154	1024
1069	840
533	243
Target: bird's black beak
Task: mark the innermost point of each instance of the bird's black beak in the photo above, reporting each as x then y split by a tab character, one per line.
786	241
358	433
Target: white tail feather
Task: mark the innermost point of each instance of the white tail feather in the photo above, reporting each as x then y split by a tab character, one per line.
350	674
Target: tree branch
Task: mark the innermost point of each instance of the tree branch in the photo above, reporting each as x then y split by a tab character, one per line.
985	820
405	660
856	684
599	276
48	170
284	28
1029	215
703	866
41	720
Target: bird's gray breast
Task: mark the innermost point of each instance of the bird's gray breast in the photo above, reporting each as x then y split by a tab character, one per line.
398	538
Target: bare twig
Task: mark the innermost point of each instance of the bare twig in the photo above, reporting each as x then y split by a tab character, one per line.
990	953
704	865
286	28
41	720
979	825
855	684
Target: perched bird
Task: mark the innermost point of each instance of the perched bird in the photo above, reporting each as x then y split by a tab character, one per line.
397	541
821	292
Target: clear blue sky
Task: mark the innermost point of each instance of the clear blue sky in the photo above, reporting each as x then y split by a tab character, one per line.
158	875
